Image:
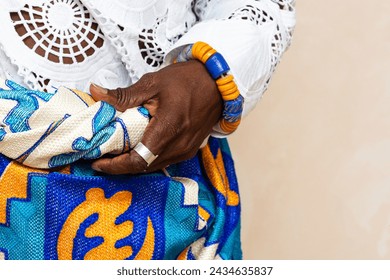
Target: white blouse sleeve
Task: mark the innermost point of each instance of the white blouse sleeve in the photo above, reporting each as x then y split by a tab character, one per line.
251	35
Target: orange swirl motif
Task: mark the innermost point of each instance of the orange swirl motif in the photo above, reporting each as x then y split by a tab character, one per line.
108	209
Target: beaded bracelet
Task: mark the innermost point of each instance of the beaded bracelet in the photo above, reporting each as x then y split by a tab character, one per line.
219	70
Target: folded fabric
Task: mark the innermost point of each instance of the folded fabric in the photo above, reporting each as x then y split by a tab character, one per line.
45	130
191	211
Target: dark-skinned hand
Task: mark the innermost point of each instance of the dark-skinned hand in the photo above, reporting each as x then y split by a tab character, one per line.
184	103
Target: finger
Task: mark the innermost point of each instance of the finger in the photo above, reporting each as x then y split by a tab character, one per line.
156	138
165	146
163	138
159	136
101	94
129	163
177	151
124	98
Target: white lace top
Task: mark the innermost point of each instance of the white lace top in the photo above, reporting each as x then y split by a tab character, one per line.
48	43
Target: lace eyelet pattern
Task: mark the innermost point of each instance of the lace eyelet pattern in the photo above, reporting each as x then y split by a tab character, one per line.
287	5
73	42
151	52
62	31
261	17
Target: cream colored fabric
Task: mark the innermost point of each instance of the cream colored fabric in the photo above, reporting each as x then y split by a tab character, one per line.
45	130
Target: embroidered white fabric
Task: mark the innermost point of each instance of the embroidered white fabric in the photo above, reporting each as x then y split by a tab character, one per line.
50	43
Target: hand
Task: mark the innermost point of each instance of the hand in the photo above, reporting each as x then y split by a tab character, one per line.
184	103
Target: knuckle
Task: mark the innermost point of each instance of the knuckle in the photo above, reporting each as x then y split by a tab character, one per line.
121	97
138	164
118	165
188	155
148	81
191	152
186	124
185	156
186	150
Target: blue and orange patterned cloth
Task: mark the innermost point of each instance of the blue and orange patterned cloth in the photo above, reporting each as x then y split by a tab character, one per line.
54	206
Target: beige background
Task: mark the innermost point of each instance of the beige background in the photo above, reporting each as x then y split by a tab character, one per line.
313	159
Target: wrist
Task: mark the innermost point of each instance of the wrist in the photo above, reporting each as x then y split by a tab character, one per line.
219	71
209	90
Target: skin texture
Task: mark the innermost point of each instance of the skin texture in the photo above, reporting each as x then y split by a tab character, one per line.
184	103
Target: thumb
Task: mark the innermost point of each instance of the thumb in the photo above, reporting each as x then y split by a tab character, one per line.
101	94
124	98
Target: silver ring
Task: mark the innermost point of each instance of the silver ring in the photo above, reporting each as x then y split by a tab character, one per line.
145	153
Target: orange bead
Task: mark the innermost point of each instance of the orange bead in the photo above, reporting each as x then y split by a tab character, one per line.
202	51
228	88
224	80
207	55
229	127
196	49
226	85
230	95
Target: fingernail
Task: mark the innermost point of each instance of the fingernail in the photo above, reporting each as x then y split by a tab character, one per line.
96	168
100	89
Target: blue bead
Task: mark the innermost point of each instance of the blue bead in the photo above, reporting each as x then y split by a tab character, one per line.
235	105
232	118
217	66
233	109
